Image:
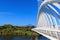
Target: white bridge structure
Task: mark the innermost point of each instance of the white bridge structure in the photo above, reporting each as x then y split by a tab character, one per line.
48	19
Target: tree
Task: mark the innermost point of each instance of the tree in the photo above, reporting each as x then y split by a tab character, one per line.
7	26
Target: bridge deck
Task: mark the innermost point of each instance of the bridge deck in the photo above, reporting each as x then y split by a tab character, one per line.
49	33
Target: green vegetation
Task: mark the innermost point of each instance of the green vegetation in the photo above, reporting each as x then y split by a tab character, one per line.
8	29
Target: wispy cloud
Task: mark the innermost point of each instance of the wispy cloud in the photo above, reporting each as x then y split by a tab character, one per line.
7	13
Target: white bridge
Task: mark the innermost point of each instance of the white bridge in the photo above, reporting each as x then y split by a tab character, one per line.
49	19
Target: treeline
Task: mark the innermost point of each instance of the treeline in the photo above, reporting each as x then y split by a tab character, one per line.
11	26
8	29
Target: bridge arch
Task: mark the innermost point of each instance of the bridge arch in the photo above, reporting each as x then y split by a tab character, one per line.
46	23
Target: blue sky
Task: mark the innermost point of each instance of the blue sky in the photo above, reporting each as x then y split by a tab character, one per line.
18	12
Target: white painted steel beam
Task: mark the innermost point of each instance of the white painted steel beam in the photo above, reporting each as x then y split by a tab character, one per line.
42	21
54	10
57	5
45	3
36	30
55	25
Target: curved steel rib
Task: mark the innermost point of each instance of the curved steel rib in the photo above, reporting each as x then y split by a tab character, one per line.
45	3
